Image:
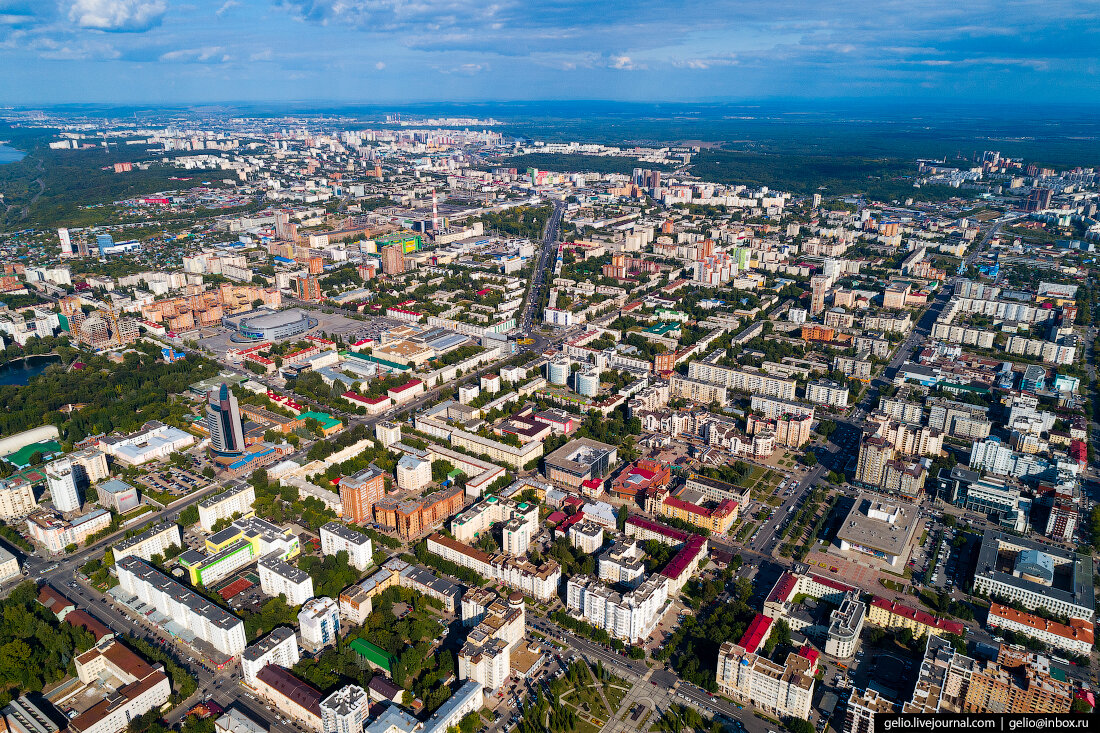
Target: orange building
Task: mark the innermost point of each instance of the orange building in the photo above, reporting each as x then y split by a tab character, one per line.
413	517
359	494
306	287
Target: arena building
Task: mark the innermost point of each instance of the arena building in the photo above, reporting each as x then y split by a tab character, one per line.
267	325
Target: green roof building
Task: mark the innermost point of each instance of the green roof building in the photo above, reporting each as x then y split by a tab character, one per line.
375	655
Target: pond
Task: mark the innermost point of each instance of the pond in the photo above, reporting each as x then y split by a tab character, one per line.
21	371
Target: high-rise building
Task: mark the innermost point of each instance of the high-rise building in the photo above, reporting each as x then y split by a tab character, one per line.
306	287
66	243
319	623
874	454
863	706
818	285
62	479
393	259
223	421
345	710
359	494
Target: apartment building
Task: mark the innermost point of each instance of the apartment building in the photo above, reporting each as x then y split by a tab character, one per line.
154	541
412	517
779	689
630	616
894	615
742	379
623	563
280	648
278	577
825	392
226	505
1076	637
345	711
319	623
539	581
207	621
336	537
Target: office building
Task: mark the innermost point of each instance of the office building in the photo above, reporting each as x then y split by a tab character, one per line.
306	287
1037	575
280	648
578	461
319	623
881	529
206	620
894	615
336	537
359	494
118	496
223	422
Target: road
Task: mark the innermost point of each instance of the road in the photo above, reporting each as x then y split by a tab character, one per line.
546	260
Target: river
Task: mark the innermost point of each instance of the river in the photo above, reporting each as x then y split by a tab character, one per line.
10	155
21	371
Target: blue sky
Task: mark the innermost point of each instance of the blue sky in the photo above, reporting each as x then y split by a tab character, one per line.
175	51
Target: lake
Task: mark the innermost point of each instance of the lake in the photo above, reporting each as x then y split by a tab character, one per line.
10	155
21	371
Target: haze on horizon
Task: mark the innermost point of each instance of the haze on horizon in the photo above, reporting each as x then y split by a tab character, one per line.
168	51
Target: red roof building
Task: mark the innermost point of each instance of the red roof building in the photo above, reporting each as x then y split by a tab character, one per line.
757	633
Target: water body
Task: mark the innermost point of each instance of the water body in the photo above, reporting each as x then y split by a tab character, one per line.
10	155
22	371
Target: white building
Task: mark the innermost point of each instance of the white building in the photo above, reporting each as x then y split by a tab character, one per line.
829	393
540	581
319	623
779	689
623	562
63	479
521	522
413	473
155	441
1075	637
280	648
337	537
9	566
225	505
154	541
278	577
345	711
138	687
16	500
206	620
586	537
630	616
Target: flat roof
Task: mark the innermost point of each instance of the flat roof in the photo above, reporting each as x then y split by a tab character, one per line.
890	538
1082	593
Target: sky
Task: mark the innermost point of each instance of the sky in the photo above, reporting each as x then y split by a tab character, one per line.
391	51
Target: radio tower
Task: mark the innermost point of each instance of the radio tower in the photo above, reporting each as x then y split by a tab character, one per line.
435	213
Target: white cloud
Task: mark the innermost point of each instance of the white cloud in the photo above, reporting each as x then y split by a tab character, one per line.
624	63
117	15
380	65
226	6
205	54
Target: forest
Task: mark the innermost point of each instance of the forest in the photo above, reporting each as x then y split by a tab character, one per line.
115	396
35	648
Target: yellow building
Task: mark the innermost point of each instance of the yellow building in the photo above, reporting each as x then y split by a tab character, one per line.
893	615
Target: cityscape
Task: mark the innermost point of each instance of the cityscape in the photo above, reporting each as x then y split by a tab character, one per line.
425	412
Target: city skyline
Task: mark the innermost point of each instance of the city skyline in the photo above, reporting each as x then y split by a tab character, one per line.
156	51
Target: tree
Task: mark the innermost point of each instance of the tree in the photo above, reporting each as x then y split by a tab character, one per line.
190	515
208	472
799	725
810	459
623	514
